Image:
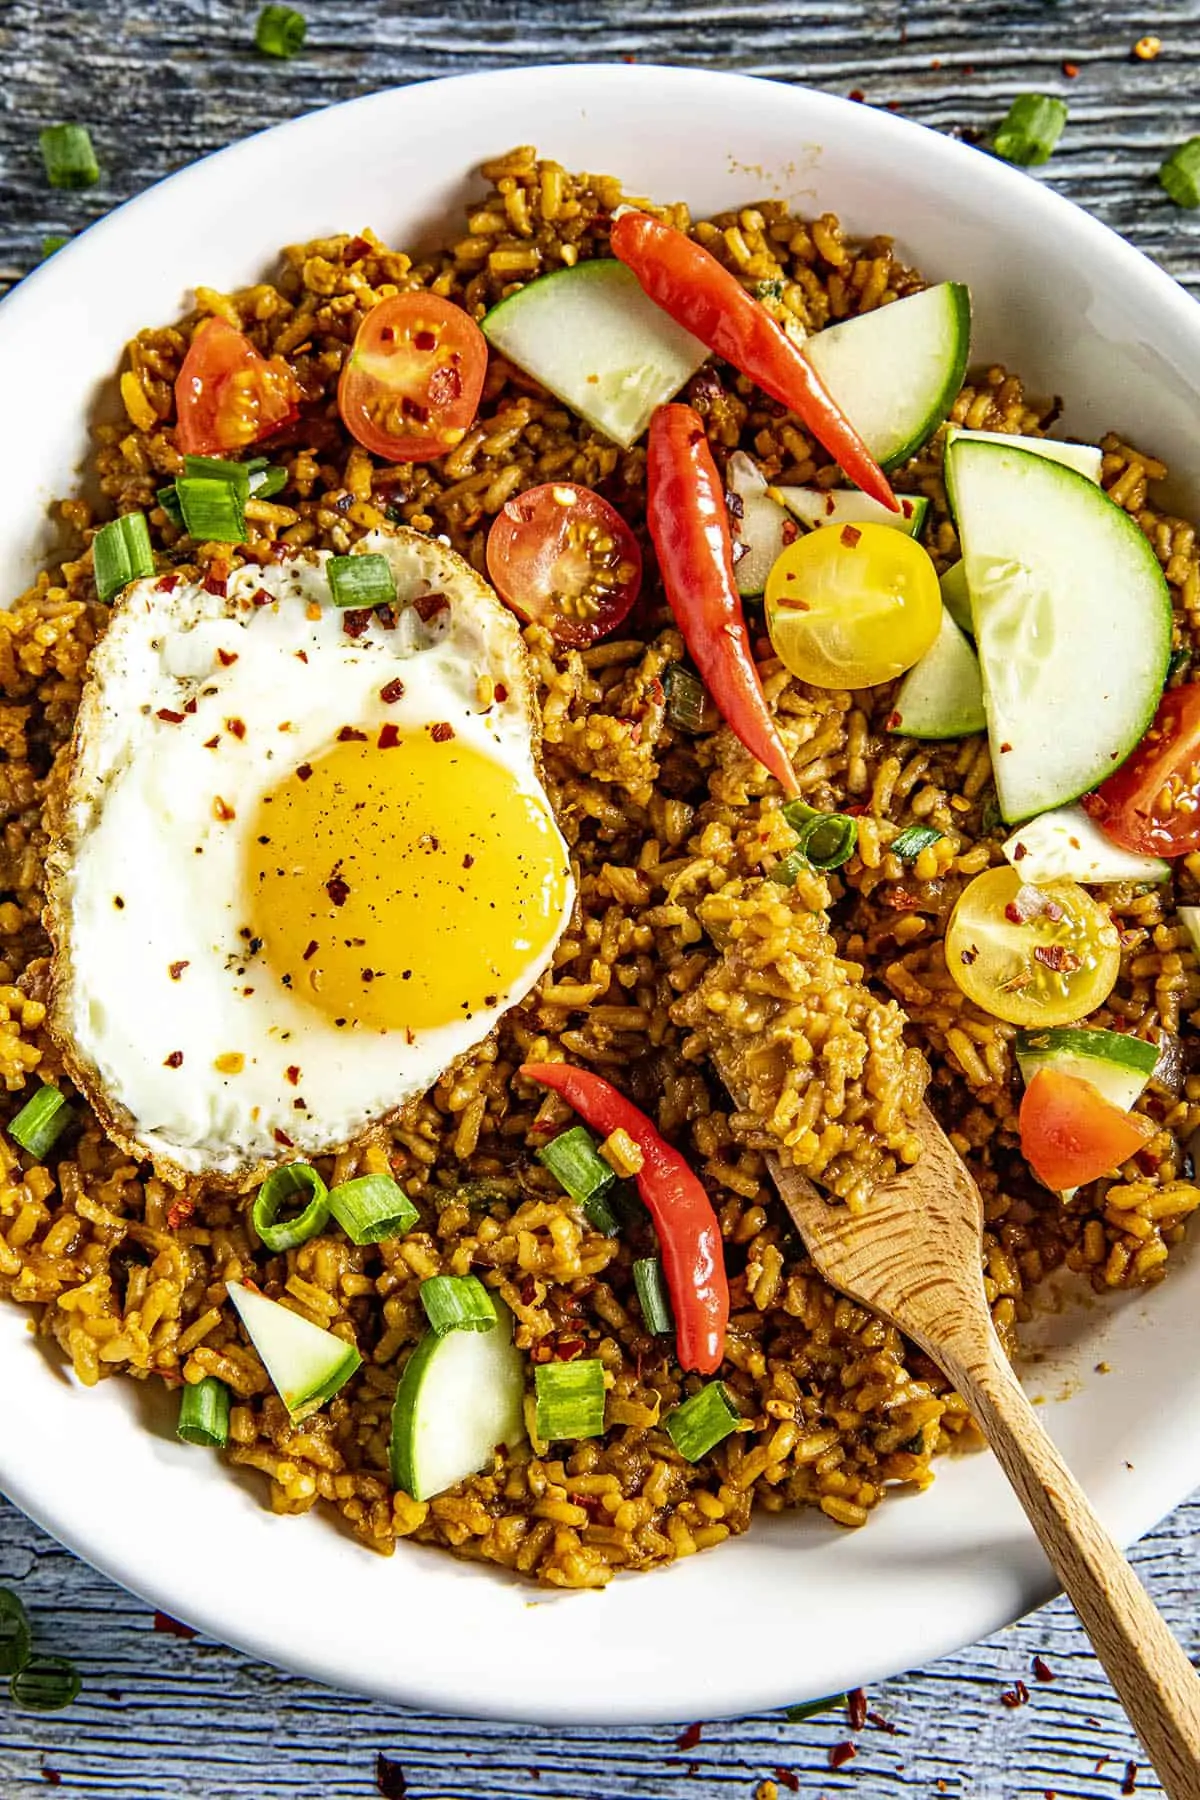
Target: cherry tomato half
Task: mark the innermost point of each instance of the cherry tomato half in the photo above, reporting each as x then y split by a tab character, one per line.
411	384
562	557
1071	1134
227	396
1152	803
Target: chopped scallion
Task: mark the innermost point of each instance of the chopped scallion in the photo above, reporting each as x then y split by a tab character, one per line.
825	840
457	1303
213	508
1180	174
121	553
267	481
361	581
16	1638
168	499
372	1208
68	155
45	1684
40	1121
688	704
1030	129
570	1399
810	1708
790	867
52	242
652	1293
291	1206
1179	661
909	843
702	1422
577	1166
204	1414
280	31
218	468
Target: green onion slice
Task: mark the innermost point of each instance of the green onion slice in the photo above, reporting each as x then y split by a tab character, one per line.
16	1638
570	1399
290	1207
702	1422
1179	659
52	242
457	1303
1030	129
372	1208
40	1121
280	31
267	481
652	1293
121	553
825	840
810	1708
45	1684
68	155
168	499
1180	174
577	1166
218	468
204	1414
213	507
688	704
909	843
361	581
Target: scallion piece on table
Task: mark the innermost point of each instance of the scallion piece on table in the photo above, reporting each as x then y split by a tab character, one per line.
909	843
290	1207
40	1121
1030	129
280	31
52	242
1180	174
688	705
372	1208
213	508
702	1422
457	1303
45	1684
809	1709
652	1293
204	1414
826	840
361	581
570	1399
121	553
577	1166
68	155
16	1638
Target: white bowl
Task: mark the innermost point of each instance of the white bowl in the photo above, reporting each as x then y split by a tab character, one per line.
797	1608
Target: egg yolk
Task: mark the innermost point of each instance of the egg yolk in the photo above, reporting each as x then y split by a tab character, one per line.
405	887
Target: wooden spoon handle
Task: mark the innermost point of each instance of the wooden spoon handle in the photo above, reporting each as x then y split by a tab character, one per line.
1158	1686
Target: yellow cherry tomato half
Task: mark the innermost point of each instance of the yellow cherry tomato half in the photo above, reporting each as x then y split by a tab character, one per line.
850	606
1032	955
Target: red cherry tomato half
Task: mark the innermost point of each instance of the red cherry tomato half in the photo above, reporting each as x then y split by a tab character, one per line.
1152	803
411	384
1071	1134
562	557
227	396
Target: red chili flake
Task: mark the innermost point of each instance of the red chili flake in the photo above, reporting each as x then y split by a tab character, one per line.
856	1708
227	658
468	862
842	1753
442	733
222	810
236	726
1056	957
428	606
969	955
51	1777
689	1737
355	620
293	1073
174	1061
1016	1695
850	536
893	721
180	1213
1042	1669
789	1779
856	94
281	1137
168	717
190	705
175	969
389	737
311	950
303	655
389	1778
387	617
213	584
1019	853
261	597
166	584
1004	748
566	1348
1129	1785
1070	70
501	692
356	249
337	890
164	1622
350	734
882	1724
304	771
212	742
392	692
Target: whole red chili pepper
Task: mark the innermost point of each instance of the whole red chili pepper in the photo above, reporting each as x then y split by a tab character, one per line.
686	513
689	1237
701	295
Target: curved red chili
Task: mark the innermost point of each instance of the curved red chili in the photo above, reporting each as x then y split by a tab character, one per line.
689	1237
688	521
701	295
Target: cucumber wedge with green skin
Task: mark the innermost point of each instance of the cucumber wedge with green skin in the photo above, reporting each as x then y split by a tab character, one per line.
1115	1063
760	530
1072	621
895	372
307	1364
846	506
1085	459
1066	843
591	336
460	1397
942	695
956	599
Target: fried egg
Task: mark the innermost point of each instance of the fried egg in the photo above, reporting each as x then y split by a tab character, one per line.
306	861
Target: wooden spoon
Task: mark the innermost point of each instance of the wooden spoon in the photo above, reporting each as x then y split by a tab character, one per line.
913	1256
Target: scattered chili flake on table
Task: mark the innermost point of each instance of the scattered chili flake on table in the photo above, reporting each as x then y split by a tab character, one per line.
1042	1669
842	1753
689	1737
882	1724
172	1627
1070	70
389	1778
1016	1695
1129	1785
856	1708
789	1779
1147	48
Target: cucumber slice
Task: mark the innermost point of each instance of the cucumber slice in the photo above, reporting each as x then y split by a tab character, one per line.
307	1365
759	531
896	372
460	1396
591	336
1068	843
956	599
846	506
1085	459
1072	621
1119	1065
1189	918
942	695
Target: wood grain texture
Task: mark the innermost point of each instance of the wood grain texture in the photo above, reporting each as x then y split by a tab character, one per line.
160	82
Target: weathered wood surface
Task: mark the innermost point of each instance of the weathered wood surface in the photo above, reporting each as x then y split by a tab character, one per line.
160	83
